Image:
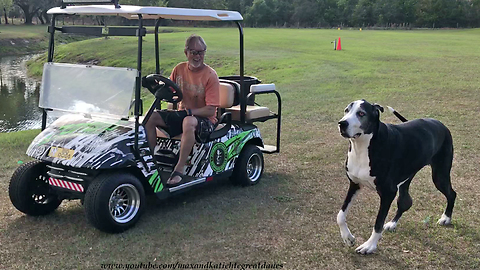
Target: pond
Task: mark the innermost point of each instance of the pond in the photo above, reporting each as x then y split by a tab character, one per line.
19	96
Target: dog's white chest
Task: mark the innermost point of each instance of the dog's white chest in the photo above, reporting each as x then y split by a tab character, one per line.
358	163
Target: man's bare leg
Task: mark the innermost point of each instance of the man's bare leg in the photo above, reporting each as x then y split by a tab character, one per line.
188	140
153	122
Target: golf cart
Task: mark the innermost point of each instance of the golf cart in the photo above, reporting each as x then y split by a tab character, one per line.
96	152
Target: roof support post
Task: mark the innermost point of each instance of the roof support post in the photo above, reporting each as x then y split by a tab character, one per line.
51	50
243	91
138	81
157	48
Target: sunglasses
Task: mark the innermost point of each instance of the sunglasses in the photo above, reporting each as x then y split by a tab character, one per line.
194	52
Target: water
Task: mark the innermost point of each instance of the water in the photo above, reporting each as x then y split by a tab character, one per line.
19	96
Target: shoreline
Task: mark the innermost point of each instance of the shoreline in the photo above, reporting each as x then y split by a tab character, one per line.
22	46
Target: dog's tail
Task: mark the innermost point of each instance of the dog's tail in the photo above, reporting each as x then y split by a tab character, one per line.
399	116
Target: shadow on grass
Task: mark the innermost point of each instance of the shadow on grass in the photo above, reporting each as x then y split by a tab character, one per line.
220	204
217	200
218	221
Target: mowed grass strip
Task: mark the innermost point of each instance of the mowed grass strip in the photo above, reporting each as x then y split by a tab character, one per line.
26	39
290	216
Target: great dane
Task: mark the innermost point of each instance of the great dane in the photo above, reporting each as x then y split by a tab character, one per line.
386	157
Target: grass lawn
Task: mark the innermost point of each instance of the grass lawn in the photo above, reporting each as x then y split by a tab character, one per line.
22	31
25	39
289	218
21	39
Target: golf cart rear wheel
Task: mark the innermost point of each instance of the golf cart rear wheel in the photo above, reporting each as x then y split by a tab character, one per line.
114	202
249	166
30	192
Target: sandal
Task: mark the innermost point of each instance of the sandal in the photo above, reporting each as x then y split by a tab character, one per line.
175	173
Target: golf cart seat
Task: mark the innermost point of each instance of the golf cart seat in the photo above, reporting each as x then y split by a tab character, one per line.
253	113
229	104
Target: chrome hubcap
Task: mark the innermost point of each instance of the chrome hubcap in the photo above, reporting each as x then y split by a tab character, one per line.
124	203
254	167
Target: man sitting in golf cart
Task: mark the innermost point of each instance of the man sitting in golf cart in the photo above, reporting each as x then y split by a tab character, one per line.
195	117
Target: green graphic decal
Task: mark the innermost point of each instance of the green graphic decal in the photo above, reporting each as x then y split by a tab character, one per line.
102	129
156	182
236	143
87	128
218	157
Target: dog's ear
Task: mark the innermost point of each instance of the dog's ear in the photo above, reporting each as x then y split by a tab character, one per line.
376	111
377	107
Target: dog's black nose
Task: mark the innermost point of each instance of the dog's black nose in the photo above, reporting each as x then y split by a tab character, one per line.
343	124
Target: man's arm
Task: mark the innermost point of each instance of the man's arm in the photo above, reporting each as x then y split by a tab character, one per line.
206	111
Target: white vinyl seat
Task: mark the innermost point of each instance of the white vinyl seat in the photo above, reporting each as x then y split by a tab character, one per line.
252	112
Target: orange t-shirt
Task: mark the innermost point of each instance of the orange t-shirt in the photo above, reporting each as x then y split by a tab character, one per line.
200	88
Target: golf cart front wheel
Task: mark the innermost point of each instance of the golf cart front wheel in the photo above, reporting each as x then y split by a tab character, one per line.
30	192
114	202
249	166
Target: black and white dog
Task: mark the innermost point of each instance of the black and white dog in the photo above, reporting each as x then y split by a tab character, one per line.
386	157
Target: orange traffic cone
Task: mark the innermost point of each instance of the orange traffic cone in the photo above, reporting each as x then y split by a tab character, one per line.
339	45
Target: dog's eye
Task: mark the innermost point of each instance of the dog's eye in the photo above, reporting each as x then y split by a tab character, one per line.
361	114
346	110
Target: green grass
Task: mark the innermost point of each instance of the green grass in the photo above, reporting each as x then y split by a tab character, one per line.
22	31
26	39
290	216
22	39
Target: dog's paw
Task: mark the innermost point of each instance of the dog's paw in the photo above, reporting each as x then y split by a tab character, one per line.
368	247
349	240
390	226
444	220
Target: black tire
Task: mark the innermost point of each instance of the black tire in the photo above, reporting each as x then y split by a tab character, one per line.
103	202
30	192
249	166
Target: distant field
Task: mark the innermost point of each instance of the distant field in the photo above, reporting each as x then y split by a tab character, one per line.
289	218
21	39
22	31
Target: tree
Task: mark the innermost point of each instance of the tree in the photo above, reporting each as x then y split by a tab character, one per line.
472	12
5	5
238	5
439	13
204	4
259	14
32	8
305	13
29	8
45	5
283	12
346	8
330	12
161	3
363	14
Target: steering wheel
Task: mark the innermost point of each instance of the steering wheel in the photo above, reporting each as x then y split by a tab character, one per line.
163	88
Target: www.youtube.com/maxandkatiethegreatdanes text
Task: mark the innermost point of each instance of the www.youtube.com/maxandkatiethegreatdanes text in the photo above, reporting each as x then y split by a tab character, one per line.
178	265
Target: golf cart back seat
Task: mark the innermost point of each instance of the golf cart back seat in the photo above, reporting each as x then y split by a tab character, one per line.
230	99
229	102
254	113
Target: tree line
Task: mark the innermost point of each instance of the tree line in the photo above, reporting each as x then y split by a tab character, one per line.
302	13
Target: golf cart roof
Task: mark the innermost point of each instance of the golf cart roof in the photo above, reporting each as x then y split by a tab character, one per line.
131	12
